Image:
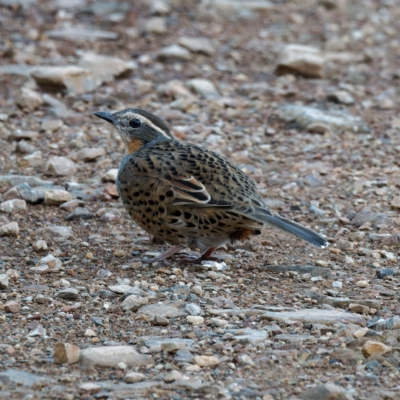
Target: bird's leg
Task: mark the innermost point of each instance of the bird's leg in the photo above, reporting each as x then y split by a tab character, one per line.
162	257
204	257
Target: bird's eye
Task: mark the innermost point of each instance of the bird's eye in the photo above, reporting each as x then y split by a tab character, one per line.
135	123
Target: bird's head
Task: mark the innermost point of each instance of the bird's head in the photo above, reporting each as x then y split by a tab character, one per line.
137	127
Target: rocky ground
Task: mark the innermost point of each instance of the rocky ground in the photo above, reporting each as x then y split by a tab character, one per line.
304	97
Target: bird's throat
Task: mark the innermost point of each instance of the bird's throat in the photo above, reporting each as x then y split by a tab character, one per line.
134	145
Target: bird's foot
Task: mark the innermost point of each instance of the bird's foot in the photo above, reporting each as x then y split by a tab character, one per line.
206	256
161	258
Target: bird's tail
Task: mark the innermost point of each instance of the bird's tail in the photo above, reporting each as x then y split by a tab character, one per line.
295	229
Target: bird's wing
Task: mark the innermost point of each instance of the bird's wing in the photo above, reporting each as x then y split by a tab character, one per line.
189	190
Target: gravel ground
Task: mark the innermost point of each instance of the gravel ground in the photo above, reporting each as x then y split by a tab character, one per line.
304	97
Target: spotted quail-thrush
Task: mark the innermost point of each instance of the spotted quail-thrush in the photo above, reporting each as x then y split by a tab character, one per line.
185	194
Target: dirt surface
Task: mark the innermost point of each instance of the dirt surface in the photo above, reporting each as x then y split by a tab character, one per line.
276	318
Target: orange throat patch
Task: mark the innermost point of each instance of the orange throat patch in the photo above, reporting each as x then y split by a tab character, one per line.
133	146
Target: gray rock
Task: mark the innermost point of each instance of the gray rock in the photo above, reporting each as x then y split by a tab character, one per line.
23	134
156	345
197	45
155	25
160	7
341	96
234	9
110	356
34	159
55	197
393	323
178	290
97	321
326	391
51	125
335	119
233	312
75	79
107	294
167	310
120	288
315	316
79	213
110	175
20	378
305	60
302	269
4	281
292	338
90	154
38	331
203	87
192	309
133	302
68	294
71	205
250	336
374	218
160	321
184	355
386	272
77	34
60	166
337	302
28	99
173	53
106	68
10	229
259	88
13	206
29	194
25	147
15	180
62	232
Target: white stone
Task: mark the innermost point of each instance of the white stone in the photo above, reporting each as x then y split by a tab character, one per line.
133	302
110	356
197	45
195	320
76	79
372	347
90	154
56	197
39	245
159	7
10	229
105	68
132	377
174	53
207	361
60	166
203	87
121	289
155	25
34	159
14	205
173	376
110	175
305	60
4	281
90	333
28	99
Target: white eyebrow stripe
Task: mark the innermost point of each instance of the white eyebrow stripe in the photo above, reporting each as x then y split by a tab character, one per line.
149	123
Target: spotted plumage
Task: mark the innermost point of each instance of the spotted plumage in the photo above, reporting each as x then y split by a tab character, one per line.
185	194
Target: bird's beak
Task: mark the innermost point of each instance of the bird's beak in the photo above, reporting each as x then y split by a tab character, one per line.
105	115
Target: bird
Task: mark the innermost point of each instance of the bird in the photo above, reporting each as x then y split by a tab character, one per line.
187	195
